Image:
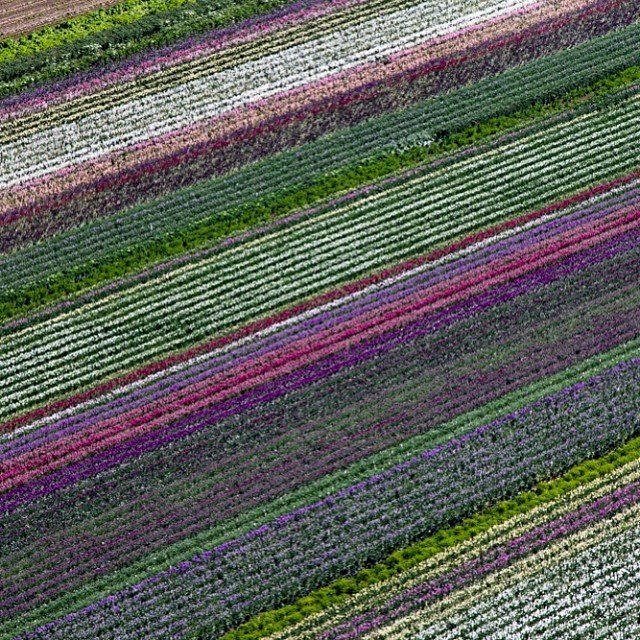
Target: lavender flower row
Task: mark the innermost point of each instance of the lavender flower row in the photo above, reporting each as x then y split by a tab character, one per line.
316	543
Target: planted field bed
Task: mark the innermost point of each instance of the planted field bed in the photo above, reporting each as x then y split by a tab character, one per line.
319	319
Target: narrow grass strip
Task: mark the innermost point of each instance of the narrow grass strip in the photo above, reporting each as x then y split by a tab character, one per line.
82	26
340	590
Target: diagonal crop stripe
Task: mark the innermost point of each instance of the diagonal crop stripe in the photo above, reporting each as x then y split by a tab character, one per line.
213	95
319	319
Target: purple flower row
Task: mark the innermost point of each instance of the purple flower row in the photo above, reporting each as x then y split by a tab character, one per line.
358	525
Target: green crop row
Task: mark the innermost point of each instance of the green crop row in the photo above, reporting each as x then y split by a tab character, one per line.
21	300
110	35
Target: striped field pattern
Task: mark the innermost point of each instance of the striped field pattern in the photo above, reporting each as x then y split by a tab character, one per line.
319	319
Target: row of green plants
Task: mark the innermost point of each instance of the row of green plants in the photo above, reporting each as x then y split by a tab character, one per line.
19	301
511	92
61	50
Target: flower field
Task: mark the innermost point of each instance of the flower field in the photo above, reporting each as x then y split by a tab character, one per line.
319	319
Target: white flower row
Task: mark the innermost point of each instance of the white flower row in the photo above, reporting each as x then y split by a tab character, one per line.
200	65
579	590
435	621
81	342
139	120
